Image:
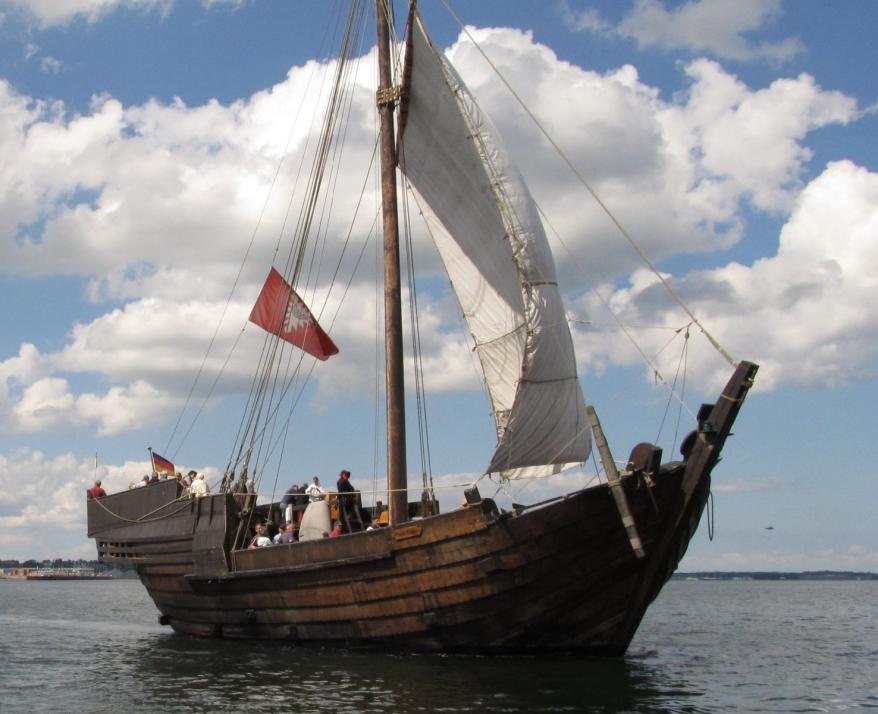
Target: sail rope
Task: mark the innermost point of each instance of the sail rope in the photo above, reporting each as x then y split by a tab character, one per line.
679	376
272	386
338	106
269	417
291	381
637	248
263	210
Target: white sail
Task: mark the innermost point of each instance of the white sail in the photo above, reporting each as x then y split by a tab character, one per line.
489	235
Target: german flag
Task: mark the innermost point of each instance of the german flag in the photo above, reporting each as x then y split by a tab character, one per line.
160	464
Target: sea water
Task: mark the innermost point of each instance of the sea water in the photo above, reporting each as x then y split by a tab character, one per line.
704	646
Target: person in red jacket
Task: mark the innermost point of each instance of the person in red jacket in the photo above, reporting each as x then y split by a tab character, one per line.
96	491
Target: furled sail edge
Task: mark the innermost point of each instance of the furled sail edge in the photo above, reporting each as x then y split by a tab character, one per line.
546	427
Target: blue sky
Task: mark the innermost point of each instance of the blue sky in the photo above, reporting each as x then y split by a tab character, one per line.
734	141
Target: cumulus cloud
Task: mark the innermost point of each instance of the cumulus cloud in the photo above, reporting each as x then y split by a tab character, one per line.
699	26
679	178
52	13
799	313
676	173
36	489
49	404
155	204
753	140
50	65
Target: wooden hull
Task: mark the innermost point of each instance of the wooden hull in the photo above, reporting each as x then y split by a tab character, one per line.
562	577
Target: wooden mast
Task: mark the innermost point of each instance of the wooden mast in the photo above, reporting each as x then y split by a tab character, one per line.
396	458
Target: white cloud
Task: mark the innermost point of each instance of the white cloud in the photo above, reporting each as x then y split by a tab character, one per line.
37	490
51	13
232	3
698	26
588	18
125	408
678	178
49	404
155	203
675	173
42	495
50	65
45	404
752	141
798	313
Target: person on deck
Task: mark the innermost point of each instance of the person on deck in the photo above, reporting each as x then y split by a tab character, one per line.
300	501
346	499
337	531
96	491
315	491
289	502
287	535
260	540
199	486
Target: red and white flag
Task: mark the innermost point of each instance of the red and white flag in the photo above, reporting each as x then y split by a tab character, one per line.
280	311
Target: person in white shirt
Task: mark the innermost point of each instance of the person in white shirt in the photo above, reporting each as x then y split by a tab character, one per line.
199	486
315	491
260	540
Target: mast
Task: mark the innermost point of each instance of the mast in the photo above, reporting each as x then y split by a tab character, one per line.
396	459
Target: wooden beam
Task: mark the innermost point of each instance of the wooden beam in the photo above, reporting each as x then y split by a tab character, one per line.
615	484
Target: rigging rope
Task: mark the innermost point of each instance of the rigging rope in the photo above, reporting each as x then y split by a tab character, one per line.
681	365
622	326
255	232
276	380
420	389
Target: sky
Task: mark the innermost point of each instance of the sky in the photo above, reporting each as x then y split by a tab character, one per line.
148	149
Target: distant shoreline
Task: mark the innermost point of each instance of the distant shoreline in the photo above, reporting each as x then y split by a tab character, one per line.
776	575
807	575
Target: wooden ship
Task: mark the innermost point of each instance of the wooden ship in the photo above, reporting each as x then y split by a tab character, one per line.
572	574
